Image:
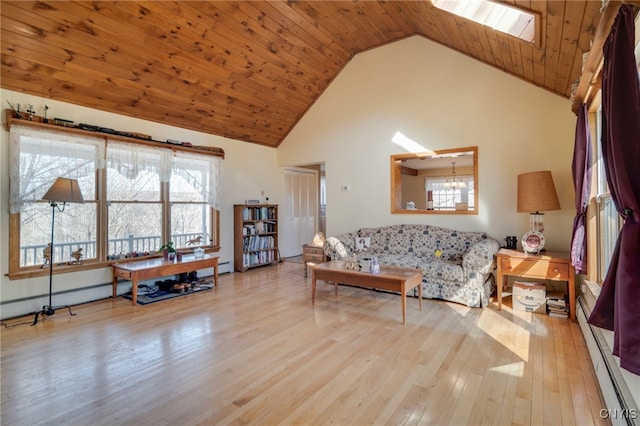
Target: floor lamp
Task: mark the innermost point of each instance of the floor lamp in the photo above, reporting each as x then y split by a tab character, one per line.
62	191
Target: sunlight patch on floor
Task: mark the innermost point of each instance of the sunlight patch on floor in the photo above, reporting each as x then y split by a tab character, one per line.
515	369
506	332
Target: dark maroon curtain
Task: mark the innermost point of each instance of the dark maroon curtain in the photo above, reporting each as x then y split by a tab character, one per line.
618	306
581	170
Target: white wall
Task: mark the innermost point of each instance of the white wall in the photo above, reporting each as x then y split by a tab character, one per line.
439	99
247	170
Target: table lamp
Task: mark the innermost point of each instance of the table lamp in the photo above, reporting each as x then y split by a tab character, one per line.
536	194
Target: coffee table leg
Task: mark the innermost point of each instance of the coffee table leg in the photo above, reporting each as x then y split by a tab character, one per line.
420	293
404	301
313	286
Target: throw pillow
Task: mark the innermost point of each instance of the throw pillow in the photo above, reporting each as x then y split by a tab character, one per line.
363	243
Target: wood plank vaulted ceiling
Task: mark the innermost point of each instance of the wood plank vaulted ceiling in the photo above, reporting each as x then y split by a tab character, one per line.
249	70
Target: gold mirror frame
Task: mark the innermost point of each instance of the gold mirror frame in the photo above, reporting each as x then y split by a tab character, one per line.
399	167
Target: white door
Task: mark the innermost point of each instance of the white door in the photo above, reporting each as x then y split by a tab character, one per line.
299	215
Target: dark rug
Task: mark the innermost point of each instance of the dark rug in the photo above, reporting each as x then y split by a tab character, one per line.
157	296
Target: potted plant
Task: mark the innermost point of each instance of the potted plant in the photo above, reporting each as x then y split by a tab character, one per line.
168	251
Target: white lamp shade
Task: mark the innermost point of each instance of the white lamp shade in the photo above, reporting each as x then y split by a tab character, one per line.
64	190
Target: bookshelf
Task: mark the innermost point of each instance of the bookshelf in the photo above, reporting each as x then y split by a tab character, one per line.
255	240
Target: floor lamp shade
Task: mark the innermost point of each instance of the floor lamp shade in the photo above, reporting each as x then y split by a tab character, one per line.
64	190
536	192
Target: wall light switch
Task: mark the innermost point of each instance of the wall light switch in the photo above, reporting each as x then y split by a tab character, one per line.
345	188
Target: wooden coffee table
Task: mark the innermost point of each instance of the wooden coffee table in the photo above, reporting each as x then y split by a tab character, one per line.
390	278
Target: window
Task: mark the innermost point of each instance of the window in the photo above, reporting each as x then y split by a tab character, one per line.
501	17
134	200
608	221
152	195
448	195
41	157
193	186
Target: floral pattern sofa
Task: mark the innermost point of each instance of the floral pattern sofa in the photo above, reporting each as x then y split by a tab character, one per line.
463	272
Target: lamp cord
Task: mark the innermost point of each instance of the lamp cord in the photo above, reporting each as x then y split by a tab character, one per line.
53	223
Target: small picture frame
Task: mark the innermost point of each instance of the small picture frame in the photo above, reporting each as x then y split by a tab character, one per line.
252	202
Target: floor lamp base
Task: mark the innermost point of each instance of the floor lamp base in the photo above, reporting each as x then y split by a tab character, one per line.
47	311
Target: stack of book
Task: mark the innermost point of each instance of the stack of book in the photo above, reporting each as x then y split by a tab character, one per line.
557	307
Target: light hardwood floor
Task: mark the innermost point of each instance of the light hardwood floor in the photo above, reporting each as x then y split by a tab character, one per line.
255	350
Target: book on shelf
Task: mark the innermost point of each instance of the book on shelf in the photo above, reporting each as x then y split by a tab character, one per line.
258	213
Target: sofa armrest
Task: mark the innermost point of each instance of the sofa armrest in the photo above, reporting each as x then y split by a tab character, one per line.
338	248
480	256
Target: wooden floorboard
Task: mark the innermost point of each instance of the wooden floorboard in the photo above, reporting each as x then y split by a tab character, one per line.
255	350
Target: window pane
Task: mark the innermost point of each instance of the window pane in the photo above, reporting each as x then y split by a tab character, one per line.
610	228
190	178
186	185
134	227
188	222
145	186
75	228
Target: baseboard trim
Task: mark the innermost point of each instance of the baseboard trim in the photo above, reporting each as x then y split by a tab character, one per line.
30	304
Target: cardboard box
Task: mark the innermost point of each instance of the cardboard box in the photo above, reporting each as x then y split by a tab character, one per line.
529	297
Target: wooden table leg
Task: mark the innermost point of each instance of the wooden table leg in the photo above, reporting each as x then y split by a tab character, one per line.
499	279
571	282
420	292
313	285
403	295
215	272
134	289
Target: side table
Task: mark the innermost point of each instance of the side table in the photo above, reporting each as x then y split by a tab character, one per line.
553	266
312	254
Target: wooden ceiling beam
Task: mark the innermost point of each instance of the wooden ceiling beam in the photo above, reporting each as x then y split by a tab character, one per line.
593	64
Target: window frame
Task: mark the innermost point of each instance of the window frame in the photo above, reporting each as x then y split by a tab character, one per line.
20	272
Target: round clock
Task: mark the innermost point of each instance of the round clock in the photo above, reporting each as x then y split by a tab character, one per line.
533	242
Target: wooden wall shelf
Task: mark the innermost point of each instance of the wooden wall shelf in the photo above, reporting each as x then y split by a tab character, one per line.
38	121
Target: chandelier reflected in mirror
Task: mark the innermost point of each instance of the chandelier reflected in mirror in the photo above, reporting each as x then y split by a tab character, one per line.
453	182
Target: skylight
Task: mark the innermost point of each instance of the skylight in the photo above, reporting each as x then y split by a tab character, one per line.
500	17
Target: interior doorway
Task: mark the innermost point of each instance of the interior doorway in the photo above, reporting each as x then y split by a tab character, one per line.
301	212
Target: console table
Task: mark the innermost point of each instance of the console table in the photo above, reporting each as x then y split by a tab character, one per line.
547	265
158	267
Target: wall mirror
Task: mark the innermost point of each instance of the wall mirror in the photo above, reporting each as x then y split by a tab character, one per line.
435	182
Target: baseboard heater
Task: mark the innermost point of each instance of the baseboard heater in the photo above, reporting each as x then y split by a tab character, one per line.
621	408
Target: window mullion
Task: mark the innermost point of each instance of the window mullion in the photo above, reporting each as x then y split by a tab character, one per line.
166	211
101	211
